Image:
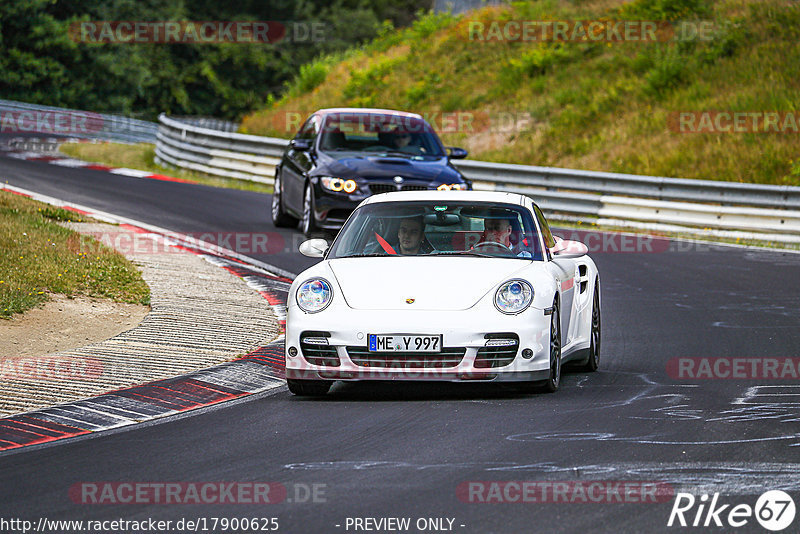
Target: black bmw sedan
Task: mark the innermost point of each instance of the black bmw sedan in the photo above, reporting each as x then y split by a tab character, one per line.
341	156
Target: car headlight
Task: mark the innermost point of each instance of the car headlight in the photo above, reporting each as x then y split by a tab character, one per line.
513	296
314	295
453	187
338	184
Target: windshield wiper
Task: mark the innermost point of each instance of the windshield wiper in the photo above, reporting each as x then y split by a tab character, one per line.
397	153
465	253
364	255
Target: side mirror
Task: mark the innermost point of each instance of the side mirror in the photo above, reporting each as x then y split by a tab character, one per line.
456	153
313	248
564	249
301	145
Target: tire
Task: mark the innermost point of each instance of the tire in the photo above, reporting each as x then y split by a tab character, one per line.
593	361
280	218
307	224
554	381
309	388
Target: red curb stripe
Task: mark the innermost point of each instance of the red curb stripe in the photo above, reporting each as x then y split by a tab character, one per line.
47	431
43	440
165	178
76	210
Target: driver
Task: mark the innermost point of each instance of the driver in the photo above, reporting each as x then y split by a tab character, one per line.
411	237
499	230
401	141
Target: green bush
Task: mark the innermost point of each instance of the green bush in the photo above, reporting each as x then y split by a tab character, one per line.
310	77
668	72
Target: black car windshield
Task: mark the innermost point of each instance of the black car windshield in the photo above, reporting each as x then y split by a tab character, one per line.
399	135
444	229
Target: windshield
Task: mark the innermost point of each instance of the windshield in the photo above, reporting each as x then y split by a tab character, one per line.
439	229
380	134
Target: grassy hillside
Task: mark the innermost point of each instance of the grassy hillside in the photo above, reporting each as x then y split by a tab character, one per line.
591	105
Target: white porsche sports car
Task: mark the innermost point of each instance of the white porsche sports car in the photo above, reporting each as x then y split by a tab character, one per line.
442	285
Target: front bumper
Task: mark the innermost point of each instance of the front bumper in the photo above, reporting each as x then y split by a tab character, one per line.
348	359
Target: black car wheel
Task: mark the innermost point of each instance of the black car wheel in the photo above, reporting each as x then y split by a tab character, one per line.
554	380
279	218
309	388
593	362
308	224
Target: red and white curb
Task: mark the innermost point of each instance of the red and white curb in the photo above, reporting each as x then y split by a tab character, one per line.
63	161
256	372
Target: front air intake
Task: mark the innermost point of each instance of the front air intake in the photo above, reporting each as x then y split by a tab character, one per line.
316	350
500	350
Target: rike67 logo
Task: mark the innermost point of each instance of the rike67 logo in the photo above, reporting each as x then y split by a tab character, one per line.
774	510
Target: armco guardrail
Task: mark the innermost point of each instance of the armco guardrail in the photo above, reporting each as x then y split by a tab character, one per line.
233	155
24	118
748	210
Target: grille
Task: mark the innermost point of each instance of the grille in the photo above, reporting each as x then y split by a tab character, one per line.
382	188
449	357
491	357
317	354
388	188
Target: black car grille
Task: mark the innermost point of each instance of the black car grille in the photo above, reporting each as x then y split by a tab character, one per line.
382	188
389	188
316	354
415	188
449	357
491	357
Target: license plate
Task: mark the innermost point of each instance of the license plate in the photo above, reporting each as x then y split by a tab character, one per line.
404	343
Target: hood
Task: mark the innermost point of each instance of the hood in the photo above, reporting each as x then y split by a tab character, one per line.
442	283
387	167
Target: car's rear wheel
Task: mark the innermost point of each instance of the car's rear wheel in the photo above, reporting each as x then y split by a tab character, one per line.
308	225
554	380
593	361
280	218
309	388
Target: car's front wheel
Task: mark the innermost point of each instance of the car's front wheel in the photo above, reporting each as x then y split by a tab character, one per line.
309	388
308	225
280	218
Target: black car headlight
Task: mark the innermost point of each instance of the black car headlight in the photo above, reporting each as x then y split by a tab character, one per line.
332	183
